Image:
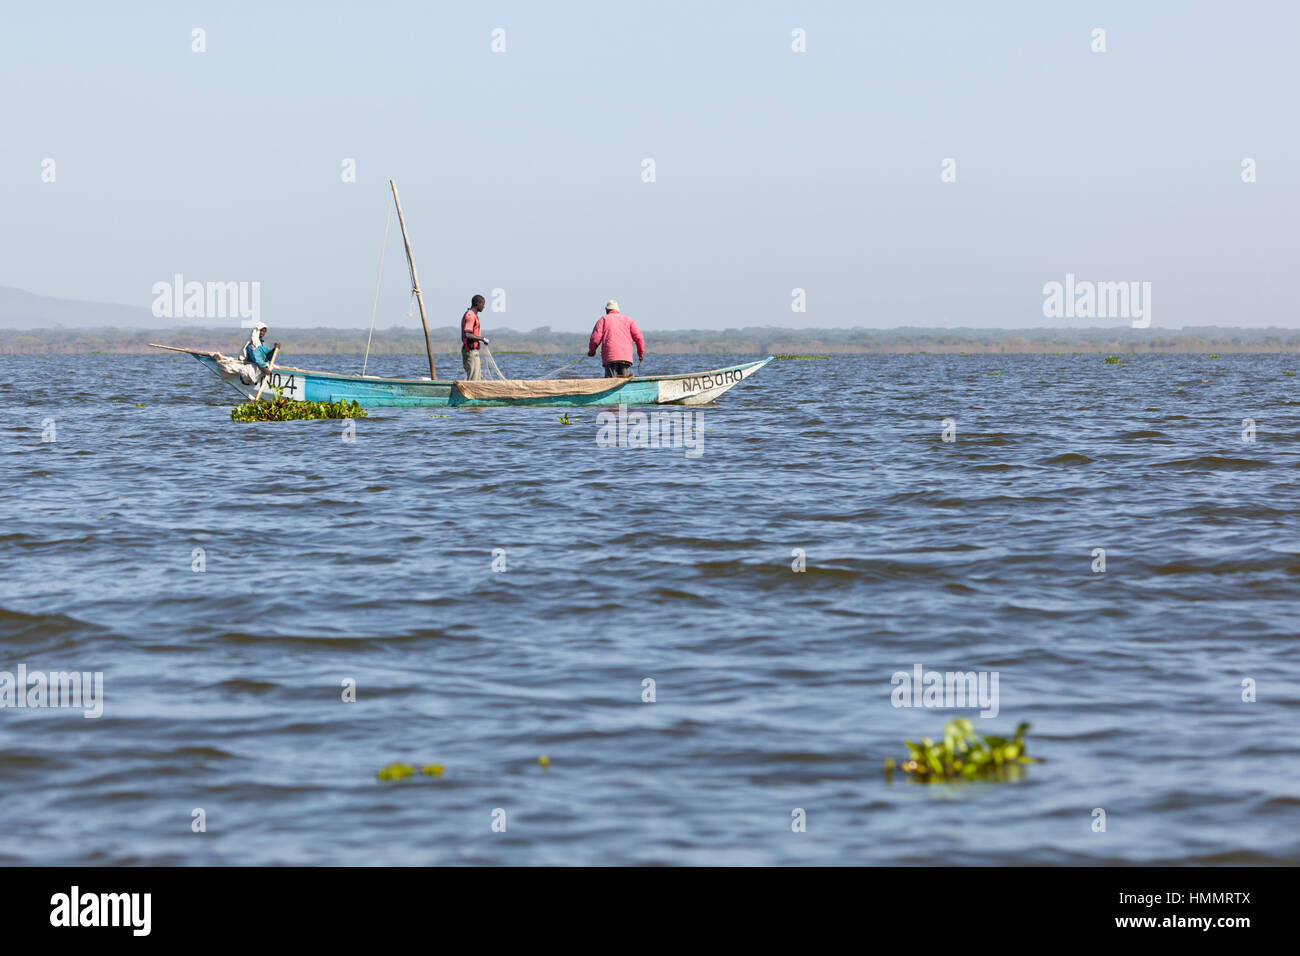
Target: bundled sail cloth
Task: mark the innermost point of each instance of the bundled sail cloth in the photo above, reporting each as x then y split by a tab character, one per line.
248	373
230	367
536	388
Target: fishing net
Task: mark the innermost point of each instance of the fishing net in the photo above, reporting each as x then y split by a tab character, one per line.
536	387
490	369
492	373
555	373
494	384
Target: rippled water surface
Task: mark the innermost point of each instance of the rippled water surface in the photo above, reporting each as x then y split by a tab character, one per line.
371	561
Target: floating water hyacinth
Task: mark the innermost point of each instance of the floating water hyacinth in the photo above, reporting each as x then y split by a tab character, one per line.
791	358
1113	360
964	755
564	419
400	771
286	409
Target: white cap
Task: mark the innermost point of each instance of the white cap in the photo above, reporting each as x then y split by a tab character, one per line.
611	305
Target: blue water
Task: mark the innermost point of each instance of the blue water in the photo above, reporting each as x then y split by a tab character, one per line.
372	561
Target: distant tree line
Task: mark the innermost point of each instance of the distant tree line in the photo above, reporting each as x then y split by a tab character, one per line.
740	341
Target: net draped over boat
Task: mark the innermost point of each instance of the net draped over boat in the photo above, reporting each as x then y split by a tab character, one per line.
536	388
248	373
496	385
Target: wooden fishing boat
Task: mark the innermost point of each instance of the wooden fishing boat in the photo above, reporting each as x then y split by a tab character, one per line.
372	391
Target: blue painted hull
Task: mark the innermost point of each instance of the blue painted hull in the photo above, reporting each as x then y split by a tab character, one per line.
371	391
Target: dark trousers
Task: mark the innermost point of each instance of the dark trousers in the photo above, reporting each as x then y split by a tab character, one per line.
618	369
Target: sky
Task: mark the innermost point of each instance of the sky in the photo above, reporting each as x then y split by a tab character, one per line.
774	170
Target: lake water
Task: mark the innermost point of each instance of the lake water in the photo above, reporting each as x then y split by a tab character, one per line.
325	562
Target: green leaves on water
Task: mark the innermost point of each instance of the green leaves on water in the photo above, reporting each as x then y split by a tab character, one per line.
400	771
564	420
280	409
963	754
1113	360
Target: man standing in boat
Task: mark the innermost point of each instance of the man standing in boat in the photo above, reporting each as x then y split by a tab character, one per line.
470	340
615	333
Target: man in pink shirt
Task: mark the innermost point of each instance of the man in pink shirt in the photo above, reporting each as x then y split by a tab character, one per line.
615	333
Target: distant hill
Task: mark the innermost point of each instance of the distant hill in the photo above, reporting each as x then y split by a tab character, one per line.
26	310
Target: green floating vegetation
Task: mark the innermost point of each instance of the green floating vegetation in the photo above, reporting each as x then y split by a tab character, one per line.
564	419
995	373
1211	355
1288	373
400	771
791	358
513	351
287	410
964	755
1113	360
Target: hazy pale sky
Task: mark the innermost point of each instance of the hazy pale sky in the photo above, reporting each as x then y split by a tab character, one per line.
774	170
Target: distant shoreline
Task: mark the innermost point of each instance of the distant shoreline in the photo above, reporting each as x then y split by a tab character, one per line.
749	341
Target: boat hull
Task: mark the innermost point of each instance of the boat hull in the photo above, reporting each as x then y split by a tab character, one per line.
369	391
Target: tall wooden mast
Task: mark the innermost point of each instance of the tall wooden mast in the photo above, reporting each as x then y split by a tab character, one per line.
415	282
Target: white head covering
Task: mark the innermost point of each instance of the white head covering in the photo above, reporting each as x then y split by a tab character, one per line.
256	337
611	305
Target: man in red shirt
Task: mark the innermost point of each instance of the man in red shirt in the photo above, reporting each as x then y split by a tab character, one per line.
470	339
615	333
